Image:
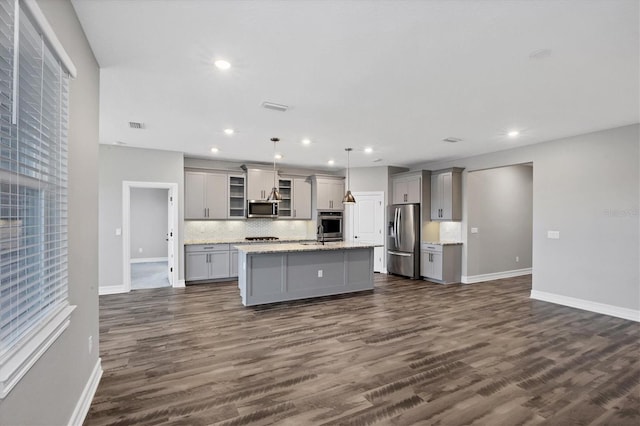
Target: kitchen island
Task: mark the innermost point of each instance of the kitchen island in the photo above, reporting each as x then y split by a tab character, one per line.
269	273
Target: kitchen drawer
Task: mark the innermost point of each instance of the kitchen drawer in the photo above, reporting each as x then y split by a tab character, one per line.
431	247
206	247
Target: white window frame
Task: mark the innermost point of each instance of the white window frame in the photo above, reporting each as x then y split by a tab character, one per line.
16	361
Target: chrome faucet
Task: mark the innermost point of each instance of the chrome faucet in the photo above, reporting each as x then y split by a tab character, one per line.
321	234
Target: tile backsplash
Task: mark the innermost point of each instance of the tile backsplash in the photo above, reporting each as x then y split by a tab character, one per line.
450	231
202	229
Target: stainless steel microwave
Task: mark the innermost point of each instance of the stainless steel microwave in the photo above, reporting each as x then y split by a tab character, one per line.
261	208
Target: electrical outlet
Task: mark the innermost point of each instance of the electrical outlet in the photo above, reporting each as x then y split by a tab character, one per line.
319	273
553	235
118	231
90	343
140	250
517	259
474	230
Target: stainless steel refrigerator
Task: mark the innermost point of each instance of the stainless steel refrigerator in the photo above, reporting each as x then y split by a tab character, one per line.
403	240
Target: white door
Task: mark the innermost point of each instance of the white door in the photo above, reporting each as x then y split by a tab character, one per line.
170	253
367	224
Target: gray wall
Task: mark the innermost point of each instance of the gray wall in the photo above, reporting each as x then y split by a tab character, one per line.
118	164
370	179
587	187
49	392
500	205
149	222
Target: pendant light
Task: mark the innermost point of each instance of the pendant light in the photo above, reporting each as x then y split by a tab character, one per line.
348	197
274	196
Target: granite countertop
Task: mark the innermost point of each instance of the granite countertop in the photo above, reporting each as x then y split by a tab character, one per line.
241	241
296	247
442	243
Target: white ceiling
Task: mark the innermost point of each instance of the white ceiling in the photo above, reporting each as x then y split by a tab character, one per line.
398	76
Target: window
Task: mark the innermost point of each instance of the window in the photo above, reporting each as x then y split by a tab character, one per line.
34	94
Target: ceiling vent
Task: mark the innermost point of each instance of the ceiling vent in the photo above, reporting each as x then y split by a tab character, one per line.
451	140
540	54
275	107
136	125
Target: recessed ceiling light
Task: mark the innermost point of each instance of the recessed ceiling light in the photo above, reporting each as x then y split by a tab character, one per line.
215	150
331	162
222	64
368	150
306	141
229	131
513	133
278	156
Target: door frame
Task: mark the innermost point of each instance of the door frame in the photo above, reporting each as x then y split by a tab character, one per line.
350	222
126	228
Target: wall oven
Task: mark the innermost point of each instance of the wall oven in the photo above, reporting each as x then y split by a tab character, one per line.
329	226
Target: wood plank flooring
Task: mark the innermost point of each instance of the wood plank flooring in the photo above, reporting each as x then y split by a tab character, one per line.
410	352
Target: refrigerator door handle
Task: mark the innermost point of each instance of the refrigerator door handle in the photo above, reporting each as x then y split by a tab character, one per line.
397	253
399	226
395	227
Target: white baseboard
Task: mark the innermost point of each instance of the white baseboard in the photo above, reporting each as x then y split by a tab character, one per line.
149	259
494	276
82	407
112	289
587	305
179	283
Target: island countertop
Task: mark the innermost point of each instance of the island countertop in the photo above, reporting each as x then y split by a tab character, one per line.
298	247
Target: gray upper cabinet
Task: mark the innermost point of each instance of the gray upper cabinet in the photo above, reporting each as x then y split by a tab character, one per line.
285	207
237	198
296	198
407	189
328	193
446	194
301	198
203	192
259	183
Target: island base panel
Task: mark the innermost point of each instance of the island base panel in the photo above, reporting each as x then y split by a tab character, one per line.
278	277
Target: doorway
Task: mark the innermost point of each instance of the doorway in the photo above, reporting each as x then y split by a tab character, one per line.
365	220
150	235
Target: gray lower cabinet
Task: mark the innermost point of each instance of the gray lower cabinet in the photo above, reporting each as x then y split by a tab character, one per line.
210	262
441	263
233	262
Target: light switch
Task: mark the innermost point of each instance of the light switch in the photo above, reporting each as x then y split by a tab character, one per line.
553	235
474	230
319	273
118	231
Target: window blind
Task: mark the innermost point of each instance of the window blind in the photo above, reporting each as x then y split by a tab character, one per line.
33	178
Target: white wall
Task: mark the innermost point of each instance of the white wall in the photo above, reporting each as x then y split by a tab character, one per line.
500	207
149	223
52	388
116	165
587	188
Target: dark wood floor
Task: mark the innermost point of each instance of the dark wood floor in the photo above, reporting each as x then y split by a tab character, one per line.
410	352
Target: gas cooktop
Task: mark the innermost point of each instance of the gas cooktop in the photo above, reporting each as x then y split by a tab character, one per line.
261	238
